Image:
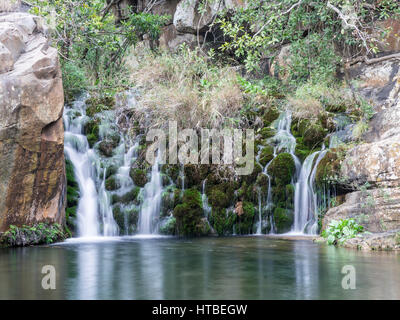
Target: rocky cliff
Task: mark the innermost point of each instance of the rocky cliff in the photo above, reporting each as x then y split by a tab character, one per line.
372	167
186	24
32	172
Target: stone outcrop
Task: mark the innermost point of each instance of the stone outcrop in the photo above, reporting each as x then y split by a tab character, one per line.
32	173
373	166
186	25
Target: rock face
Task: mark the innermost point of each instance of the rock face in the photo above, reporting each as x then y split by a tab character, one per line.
187	25
32	172
373	167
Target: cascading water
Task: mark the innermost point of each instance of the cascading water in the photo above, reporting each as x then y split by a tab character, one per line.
84	161
306	204
283	140
150	209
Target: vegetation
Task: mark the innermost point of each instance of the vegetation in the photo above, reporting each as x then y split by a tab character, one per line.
338	232
40	233
91	44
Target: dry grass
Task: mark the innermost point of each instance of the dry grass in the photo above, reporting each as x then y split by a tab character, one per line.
9	5
185	88
310	100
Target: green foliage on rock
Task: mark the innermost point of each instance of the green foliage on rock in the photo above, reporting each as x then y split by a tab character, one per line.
112	183
245	221
338	232
138	176
189	215
72	195
129	197
282	168
41	233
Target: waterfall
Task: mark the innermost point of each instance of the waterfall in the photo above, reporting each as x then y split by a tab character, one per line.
204	199
150	209
84	161
306	204
283	141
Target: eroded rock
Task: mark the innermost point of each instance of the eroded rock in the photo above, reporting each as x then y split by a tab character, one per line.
32	174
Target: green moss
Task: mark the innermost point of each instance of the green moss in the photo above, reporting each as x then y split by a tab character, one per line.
189	214
95	105
168	227
91	130
313	133
221	195
107	146
267	132
111	170
130	196
282	168
270	115
283	219
138	176
328	170
112	183
126	219
72	195
195	174
245	221
267	154
222	221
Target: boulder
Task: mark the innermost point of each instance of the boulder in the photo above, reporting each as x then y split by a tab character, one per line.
32	174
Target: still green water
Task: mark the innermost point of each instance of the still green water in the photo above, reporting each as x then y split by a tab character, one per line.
205	268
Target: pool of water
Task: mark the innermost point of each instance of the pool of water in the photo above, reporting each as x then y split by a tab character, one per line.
204	268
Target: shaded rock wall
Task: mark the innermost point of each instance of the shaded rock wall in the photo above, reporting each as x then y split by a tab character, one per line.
32	172
373	166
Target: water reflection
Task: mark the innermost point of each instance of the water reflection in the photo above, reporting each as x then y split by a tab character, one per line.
207	268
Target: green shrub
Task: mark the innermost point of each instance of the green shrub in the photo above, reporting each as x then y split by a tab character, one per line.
339	231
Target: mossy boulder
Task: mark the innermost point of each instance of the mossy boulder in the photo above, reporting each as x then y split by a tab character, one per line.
126	219
95	105
313	133
282	168
266	155
222	221
171	170
112	183
130	196
106	147
270	115
138	176
111	170
283	219
189	214
195	174
246	219
328	170
168	226
267	132
72	196
91	130
283	196
221	195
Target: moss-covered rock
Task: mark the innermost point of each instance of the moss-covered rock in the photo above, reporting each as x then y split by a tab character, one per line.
267	132
222	221
126	219
283	219
313	133
189	214
130	196
112	183
328	170
270	115
266	155
221	195
95	105
282	168
246	219
168	226
138	176
72	196
91	130
195	174
111	170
